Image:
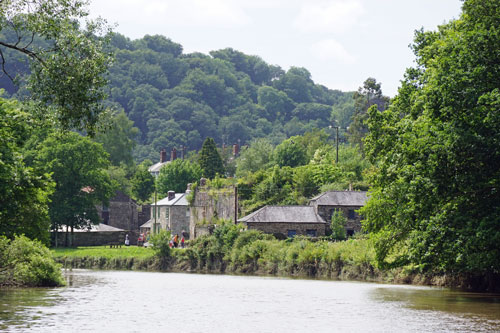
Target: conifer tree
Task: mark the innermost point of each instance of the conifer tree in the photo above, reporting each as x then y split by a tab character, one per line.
210	160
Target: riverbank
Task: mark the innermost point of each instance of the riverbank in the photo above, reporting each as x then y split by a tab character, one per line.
252	253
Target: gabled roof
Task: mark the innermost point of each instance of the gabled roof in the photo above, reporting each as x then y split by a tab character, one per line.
155	168
178	200
288	214
341	198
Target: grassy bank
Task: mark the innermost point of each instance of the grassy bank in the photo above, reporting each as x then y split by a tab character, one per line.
230	251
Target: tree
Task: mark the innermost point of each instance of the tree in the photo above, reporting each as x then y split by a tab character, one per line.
338	225
143	183
118	138
67	63
290	153
210	160
366	96
78	166
435	201
176	175
24	190
257	156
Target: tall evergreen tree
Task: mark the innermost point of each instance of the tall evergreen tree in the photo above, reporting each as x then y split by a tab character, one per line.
210	160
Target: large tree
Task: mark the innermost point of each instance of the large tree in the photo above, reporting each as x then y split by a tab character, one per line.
436	199
24	190
68	63
176	175
78	166
210	160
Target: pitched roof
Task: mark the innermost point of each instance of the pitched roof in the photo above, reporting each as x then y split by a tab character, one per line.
157	166
341	198
178	200
288	214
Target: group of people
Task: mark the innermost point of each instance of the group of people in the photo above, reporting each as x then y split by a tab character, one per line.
174	241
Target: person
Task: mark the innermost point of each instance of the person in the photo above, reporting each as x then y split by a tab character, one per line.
176	240
182	242
127	241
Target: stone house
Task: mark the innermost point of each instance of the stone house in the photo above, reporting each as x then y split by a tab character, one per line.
123	212
286	221
209	204
348	202
172	214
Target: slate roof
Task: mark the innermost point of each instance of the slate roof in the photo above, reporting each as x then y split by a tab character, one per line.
179	200
155	168
94	228
341	198
287	214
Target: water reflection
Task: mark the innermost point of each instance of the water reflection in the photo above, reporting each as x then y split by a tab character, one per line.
96	301
445	300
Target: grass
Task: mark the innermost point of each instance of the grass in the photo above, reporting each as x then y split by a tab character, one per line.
103	252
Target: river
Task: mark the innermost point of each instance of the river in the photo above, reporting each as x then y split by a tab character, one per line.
125	301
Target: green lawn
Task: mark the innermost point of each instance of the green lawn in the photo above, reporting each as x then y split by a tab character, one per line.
103	251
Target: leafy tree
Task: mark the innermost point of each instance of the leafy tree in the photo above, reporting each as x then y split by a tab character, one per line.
257	156
24	190
176	175
118	138
368	95
143	183
78	166
435	194
210	160
68	67
338	225
290	153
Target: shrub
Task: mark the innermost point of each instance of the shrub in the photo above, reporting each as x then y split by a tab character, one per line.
25	262
161	243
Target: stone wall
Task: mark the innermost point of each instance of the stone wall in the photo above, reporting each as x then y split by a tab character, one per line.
179	220
210	204
280	229
96	238
123	213
352	225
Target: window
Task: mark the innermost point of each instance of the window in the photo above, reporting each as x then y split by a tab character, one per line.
167	213
292	233
350	232
351	214
188	212
311	232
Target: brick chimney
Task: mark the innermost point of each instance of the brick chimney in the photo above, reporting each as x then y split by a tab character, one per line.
236	149
173	154
163	156
171	195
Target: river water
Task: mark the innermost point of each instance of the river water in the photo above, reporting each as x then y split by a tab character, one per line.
124	301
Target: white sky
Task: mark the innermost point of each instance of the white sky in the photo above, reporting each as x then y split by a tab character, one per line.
341	42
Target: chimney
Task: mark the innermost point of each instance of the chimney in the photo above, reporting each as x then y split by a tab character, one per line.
171	195
236	149
173	154
163	156
188	187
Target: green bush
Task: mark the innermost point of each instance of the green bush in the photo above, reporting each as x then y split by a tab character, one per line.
25	262
161	243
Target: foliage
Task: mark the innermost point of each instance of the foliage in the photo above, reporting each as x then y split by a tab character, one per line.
290	153
143	183
435	193
24	190
338	225
210	160
78	166
161	243
102	252
118	138
257	156
25	262
67	63
370	94
176	175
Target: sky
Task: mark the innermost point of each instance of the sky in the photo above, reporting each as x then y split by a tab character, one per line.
340	42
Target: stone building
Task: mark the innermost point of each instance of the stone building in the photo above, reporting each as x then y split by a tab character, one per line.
210	204
123	212
348	202
172	214
286	221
